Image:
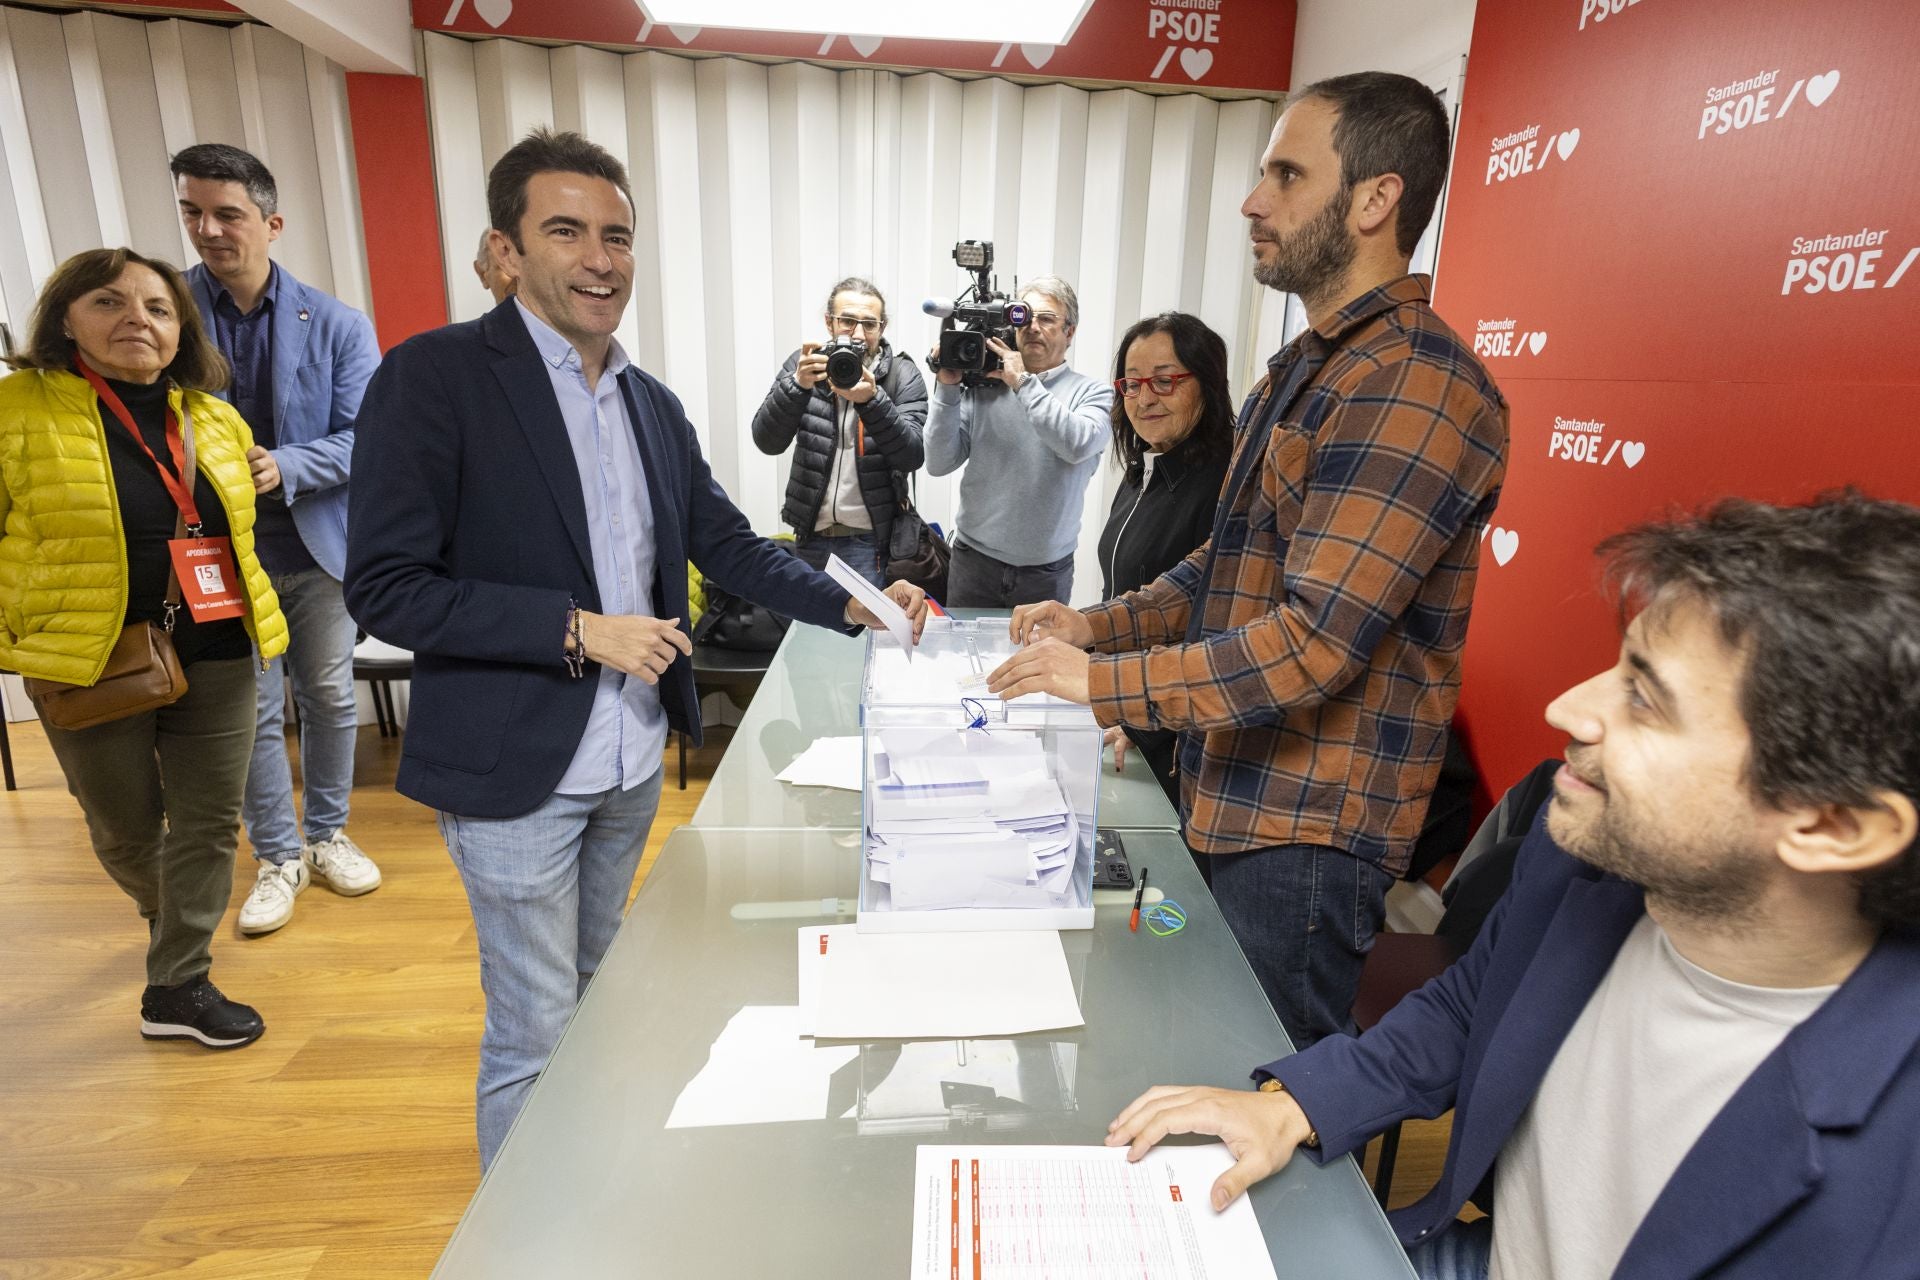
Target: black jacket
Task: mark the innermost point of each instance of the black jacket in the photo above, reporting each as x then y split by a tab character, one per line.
468	535
1148	532
891	422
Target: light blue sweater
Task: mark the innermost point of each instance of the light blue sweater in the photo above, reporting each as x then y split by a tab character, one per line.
1029	455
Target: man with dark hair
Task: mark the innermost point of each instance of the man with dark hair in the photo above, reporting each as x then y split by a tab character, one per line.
857	442
301	360
1687	1041
528	503
1309	652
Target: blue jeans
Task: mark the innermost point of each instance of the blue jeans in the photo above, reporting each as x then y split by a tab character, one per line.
1305	916
860	551
319	661
975	580
1464	1251
547	891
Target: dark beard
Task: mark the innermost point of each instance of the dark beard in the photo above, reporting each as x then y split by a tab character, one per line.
1703	880
1313	260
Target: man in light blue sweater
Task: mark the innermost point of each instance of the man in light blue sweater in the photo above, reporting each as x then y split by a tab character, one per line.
1031	439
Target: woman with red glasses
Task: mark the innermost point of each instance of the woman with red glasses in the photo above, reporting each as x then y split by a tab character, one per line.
1173	437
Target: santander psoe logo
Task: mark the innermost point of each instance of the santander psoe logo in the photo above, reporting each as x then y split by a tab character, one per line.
1844	262
1524	151
1585	440
1741	104
1493	339
1598	11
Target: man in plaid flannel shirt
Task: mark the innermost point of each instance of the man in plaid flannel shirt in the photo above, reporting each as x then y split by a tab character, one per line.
1310	651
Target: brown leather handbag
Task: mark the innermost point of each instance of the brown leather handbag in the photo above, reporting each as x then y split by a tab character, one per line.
142	674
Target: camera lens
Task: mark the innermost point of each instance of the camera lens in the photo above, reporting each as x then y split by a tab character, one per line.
844	360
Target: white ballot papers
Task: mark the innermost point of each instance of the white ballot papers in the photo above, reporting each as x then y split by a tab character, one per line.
827	762
944	986
1080	1213
899	625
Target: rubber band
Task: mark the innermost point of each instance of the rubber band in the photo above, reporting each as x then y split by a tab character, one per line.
1165	918
976	712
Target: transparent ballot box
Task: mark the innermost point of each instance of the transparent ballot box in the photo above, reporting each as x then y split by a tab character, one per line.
975	813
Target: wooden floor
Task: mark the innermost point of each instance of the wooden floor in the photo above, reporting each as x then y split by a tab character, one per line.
339	1145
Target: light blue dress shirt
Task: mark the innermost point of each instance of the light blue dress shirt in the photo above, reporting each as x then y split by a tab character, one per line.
627	731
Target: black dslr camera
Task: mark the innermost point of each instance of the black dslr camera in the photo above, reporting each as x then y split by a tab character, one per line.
846	360
975	316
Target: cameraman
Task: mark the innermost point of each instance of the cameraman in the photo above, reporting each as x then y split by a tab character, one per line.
1032	437
842	495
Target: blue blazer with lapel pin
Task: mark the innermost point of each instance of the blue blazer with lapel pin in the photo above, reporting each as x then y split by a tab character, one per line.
323	354
1812	1169
469	538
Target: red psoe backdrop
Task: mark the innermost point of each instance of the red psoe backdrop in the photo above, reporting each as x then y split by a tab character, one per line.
1243	45
398	209
1685	235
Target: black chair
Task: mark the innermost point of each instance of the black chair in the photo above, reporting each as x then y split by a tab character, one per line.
1402	963
380	665
734	672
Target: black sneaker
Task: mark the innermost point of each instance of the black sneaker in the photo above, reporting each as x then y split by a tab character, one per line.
196	1010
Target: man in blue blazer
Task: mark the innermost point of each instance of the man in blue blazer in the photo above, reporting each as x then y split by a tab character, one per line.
301	361
526	504
1687	1042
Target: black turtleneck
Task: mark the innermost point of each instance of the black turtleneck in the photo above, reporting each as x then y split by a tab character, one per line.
147	516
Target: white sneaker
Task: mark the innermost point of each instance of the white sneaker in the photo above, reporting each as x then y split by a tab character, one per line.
270	905
343	865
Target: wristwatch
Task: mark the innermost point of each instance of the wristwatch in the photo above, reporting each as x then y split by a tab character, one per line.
1272	1085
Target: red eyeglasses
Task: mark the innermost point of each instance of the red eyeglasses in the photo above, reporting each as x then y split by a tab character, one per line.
1162	384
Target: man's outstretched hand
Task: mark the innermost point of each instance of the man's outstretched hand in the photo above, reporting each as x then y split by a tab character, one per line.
1261	1130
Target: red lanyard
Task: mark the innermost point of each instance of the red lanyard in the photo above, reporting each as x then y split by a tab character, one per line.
179	484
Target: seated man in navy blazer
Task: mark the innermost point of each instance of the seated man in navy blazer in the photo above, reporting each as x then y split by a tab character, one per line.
1687	1042
524	506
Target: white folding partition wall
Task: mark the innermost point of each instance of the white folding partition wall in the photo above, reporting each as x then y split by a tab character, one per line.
91	106
760	186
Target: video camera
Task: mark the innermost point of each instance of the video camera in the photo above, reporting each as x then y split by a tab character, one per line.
975	316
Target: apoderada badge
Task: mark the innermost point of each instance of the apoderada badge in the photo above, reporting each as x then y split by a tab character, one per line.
209	583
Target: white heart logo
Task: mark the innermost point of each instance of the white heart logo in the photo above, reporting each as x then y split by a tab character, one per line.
1536	340
495	12
1037	55
685	35
1196	62
1820	88
864	45
1505	543
1568	141
1631	451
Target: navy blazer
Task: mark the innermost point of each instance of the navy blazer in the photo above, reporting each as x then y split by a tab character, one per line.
469	538
323	353
1812	1168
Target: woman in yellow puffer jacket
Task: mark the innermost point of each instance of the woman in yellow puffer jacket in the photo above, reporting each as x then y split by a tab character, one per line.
85	520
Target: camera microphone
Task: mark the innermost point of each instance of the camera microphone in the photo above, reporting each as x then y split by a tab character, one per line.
941	307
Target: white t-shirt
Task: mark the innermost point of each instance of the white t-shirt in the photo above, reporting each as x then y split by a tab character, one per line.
1660	1047
843	503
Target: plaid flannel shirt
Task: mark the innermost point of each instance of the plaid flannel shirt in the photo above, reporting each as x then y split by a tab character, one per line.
1316	677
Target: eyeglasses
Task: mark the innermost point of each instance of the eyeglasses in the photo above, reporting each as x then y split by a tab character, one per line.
1043	320
1162	384
856	322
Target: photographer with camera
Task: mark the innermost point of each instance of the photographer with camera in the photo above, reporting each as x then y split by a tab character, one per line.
1031	431
856	407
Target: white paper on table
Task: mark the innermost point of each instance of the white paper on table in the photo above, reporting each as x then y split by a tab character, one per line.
814	941
827	762
918	986
878	603
760	1072
1081	1213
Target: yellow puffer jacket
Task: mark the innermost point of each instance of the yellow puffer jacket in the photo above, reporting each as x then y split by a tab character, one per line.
63	553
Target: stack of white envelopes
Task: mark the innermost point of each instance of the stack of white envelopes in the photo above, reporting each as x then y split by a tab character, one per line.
972	819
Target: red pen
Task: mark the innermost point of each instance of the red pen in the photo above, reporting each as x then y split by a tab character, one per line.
1133	925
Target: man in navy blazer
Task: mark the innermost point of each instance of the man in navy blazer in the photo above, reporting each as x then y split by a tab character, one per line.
1687	1042
526	504
301	361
